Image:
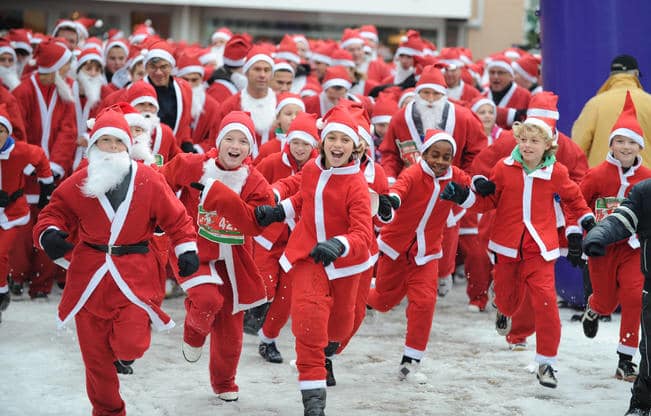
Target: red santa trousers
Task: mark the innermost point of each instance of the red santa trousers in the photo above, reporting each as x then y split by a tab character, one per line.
447	263
523	322
617	280
397	278
360	305
267	262
478	268
160	245
278	313
322	311
209	310
536	275
7	240
109	327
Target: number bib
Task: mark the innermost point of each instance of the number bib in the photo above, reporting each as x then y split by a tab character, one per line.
605	206
158	159
214	227
408	152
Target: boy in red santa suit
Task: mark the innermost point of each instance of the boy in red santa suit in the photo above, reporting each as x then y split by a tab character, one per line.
336	83
412	244
327	251
17	159
300	146
110	291
289	105
227	282
616	277
523	189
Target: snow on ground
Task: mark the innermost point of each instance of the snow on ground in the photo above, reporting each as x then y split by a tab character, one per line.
470	368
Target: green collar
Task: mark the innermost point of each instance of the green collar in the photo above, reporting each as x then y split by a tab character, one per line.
517	156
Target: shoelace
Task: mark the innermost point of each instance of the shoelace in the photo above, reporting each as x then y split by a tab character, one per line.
590	315
549	370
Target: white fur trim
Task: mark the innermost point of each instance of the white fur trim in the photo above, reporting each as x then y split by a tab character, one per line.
480	102
191	69
540	123
257	58
539	112
500	64
351	41
627	133
234	63
292	57
322	58
90	57
187	246
160	53
524	74
380	119
311	384
283	66
436	87
336	82
329	127
5	122
439	137
302	135
343	240
67	55
403	50
287	101
145	99
136	119
343	62
235	126
112	131
370	36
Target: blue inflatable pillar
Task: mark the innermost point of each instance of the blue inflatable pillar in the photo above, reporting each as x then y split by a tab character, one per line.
579	39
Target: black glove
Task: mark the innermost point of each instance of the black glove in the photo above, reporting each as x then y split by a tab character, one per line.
520	114
54	243
4	199
484	187
266	214
188	147
198	186
594	248
574	249
385	205
455	192
327	251
44	195
188	263
588	224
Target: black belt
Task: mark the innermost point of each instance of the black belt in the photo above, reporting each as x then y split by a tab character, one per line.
16	195
138	248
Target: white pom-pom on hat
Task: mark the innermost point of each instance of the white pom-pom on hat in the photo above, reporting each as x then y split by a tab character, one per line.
90	123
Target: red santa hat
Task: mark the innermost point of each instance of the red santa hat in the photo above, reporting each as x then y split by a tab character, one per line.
338	118
312	87
336	76
257	54
627	124
66	24
133	116
479	101
385	107
236	50
432	77
240	121
163	50
287	98
351	37
6	47
303	127
369	32
117	43
93	43
189	63
141	32
513	53
527	67
342	57
451	57
323	52
5	119
287	50
411	46
407	93
111	122
429	48
87	55
543	112
360	115
114	34
51	56
136	55
19	39
222	33
500	61
142	92
435	135
282	65
85	24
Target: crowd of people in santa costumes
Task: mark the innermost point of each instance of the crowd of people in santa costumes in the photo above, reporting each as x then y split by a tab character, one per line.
310	180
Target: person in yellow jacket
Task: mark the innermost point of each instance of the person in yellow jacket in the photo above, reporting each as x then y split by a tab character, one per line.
592	127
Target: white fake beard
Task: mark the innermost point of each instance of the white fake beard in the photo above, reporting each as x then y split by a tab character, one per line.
198	101
92	87
430	114
327	104
105	171
9	76
141	149
234	179
263	110
219	55
402	74
152	119
239	80
63	89
20	65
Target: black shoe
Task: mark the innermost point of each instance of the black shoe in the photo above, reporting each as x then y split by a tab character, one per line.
626	370
39	295
270	353
330	376
502	323
590	321
546	376
254	318
123	366
61	285
5	298
15	288
314	402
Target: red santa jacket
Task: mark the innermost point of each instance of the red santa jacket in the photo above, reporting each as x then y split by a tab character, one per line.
18	160
274	145
221	90
332	203
523	203
17	119
149	202
317	104
204	124
468	93
461	124
609	180
417	227
377	182
164	143
377	71
516	98
235	205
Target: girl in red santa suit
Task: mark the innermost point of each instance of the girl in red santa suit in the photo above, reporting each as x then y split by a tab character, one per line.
522	189
116	203
411	244
288	107
17	159
616	277
300	147
327	251
228	281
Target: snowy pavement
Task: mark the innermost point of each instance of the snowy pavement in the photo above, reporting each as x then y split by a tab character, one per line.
470	368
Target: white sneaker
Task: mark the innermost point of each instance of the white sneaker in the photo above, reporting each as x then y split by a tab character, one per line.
518	346
445	284
190	353
228	396
409	372
546	376
473	308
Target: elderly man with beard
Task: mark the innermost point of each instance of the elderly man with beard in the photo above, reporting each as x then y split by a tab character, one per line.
8	81
257	98
47	106
228	78
111	292
20	41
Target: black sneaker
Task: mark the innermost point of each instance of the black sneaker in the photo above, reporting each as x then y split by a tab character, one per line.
314	402
16	288
39	296
254	318
502	323
123	366
330	375
546	376
270	353
590	321
626	370
5	298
